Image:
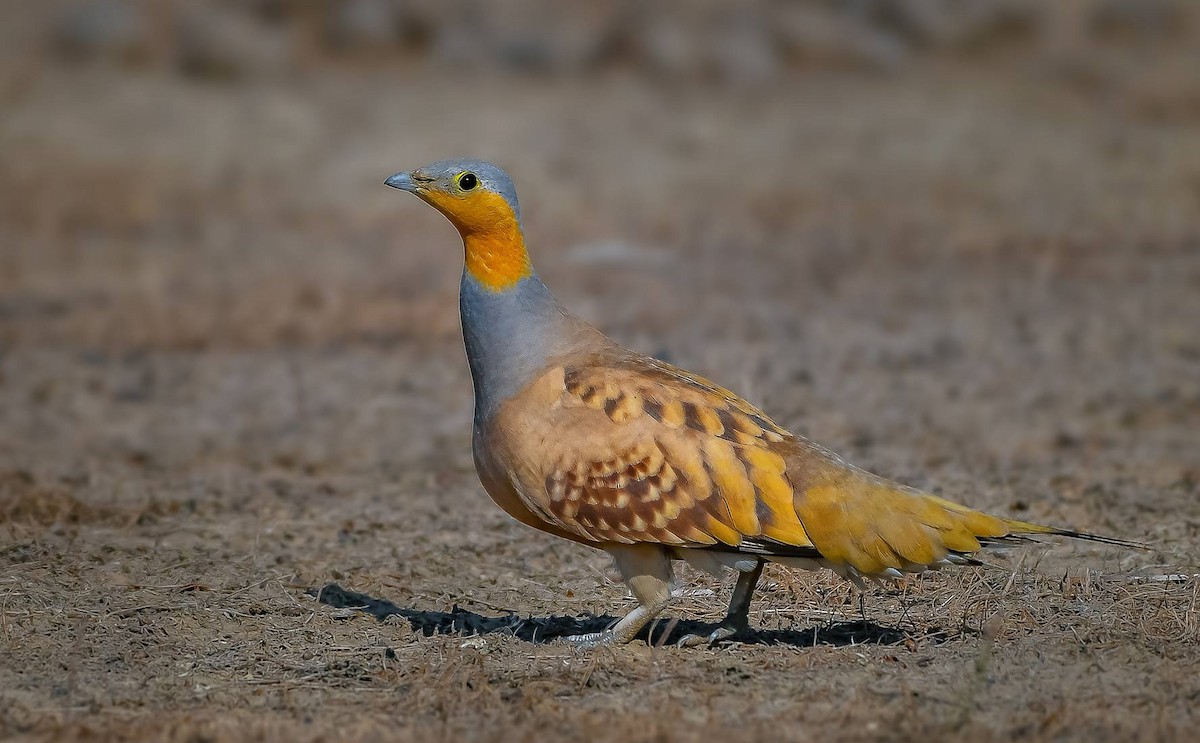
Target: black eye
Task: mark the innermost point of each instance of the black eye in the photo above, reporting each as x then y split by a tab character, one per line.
467	181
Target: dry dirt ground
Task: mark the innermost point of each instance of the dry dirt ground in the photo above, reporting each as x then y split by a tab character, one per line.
230	375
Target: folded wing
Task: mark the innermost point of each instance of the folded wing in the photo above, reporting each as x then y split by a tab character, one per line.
634	450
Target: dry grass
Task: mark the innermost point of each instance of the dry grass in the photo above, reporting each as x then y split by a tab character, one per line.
200	638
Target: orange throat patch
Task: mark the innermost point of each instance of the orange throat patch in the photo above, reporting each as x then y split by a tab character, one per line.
492	237
497	259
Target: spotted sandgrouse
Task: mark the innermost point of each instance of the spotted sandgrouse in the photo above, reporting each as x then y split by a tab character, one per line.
582	438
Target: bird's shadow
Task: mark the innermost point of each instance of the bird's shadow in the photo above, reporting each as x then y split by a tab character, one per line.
539	630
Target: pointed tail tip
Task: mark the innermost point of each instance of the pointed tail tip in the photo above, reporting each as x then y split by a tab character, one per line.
1102	539
1021	528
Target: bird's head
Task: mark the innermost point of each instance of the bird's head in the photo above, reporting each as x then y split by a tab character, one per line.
479	199
476	196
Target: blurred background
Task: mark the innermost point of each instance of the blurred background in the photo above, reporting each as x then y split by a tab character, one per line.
955	240
200	173
959	190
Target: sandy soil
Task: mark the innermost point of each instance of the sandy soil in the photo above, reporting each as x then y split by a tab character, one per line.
230	375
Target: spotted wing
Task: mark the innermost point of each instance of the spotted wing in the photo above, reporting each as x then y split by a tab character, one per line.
639	451
644	452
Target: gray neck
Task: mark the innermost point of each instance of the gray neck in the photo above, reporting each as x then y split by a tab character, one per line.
510	335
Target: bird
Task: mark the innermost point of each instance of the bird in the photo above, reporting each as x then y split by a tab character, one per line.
582	438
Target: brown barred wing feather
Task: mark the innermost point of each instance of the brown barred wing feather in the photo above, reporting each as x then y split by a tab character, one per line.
639	451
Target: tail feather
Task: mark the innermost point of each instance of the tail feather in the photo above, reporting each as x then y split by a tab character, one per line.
870	525
1025	529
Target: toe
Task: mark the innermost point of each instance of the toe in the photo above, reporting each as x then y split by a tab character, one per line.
721	633
590	640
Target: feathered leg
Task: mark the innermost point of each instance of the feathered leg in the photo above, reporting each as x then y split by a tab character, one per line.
647	571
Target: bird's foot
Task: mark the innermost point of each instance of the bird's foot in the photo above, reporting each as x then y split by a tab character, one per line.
724	631
591	640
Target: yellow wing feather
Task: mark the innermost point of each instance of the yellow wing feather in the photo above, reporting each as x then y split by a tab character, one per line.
635	450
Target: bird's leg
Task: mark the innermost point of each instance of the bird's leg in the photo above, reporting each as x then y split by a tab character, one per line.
737	619
647	571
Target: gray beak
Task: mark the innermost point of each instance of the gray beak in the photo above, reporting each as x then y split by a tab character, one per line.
402	181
